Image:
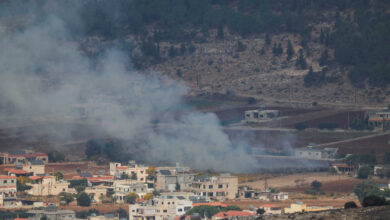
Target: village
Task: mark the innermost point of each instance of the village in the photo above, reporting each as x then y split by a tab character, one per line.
34	188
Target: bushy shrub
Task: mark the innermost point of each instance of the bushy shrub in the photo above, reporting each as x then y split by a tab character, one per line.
373	200
350	205
300	126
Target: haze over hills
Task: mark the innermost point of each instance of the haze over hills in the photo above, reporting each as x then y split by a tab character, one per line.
302	50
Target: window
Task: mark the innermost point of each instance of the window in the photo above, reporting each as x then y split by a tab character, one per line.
210	194
169	203
204	186
210	186
165	211
180	210
5	181
220	186
204	193
142	171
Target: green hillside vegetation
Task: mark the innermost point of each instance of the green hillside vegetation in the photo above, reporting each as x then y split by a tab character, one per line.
354	33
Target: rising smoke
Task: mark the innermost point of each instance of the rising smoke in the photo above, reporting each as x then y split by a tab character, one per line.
44	76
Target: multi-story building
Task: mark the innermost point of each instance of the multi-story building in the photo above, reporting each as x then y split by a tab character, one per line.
378	120
220	187
160	208
46	185
23	157
171	180
7	190
132	170
122	190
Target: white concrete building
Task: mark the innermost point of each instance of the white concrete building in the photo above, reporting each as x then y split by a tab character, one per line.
161	208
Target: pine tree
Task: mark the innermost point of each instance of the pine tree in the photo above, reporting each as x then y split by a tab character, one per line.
280	49
274	49
301	61
290	50
324	58
220	34
267	40
172	51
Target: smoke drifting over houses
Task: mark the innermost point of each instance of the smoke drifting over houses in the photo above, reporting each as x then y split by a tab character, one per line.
44	75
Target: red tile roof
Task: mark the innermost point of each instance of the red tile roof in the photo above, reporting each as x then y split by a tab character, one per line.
7	177
122	168
232	213
270	206
8	187
342	165
210	204
15	171
20	219
35	177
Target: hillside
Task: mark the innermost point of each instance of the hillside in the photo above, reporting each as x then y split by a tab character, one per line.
326	51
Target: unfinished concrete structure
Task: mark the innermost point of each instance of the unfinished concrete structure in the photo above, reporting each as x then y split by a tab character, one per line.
316	153
260	115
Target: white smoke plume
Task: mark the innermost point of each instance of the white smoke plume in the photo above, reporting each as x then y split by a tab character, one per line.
44	76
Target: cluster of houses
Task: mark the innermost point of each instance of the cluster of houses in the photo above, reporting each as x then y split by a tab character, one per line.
162	192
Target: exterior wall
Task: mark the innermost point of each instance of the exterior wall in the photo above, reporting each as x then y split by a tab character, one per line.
35	169
123	190
164	208
57	215
116	169
48	186
97	193
168	182
272	210
7	187
294	208
220	188
258	116
23	158
309	154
